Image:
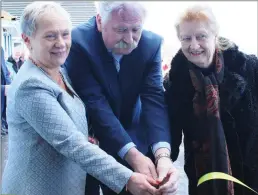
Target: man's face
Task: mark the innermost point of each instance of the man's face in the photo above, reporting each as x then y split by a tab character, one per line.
122	30
16	53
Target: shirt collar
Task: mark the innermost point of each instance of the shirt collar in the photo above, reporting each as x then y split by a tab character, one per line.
117	57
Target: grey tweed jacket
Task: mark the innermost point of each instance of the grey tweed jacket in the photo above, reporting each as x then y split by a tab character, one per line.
48	149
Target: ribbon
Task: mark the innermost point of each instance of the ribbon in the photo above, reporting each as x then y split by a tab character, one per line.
219	175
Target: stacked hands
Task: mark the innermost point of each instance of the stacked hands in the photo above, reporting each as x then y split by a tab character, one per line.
148	179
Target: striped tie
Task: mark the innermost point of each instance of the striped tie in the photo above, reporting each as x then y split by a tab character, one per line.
117	64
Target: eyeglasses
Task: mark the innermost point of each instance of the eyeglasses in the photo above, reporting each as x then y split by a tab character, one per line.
198	37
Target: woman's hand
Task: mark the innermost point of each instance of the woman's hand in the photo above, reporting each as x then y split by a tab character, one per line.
140	184
93	140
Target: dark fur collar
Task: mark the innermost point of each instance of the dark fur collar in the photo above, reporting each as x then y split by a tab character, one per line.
234	82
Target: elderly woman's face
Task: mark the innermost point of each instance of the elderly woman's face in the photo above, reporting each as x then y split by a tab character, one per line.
197	43
52	40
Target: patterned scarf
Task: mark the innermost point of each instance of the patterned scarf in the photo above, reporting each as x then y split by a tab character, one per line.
210	148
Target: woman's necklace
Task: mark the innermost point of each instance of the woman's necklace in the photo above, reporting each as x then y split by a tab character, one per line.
60	79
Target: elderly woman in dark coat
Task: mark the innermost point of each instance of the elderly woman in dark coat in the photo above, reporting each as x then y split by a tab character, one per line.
212	94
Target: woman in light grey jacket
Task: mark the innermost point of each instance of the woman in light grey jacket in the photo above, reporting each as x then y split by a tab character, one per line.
49	152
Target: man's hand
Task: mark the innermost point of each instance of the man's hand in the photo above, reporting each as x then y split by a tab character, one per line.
168	176
140	163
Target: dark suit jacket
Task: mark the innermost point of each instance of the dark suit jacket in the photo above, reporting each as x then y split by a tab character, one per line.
5	80
125	106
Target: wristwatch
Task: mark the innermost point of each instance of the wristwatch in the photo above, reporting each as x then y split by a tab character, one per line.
165	155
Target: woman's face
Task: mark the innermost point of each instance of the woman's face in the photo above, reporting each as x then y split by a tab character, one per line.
50	44
197	42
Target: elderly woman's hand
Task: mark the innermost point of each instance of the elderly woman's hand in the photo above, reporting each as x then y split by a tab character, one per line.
168	177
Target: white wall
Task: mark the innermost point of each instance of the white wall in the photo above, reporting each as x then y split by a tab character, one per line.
238	21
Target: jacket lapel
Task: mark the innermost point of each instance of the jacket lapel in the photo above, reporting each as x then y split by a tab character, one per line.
130	67
68	81
103	62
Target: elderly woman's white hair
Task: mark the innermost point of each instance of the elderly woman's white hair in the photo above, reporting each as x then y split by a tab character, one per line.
35	10
105	8
204	13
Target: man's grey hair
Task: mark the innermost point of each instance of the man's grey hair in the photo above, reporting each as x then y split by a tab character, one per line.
33	11
105	8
